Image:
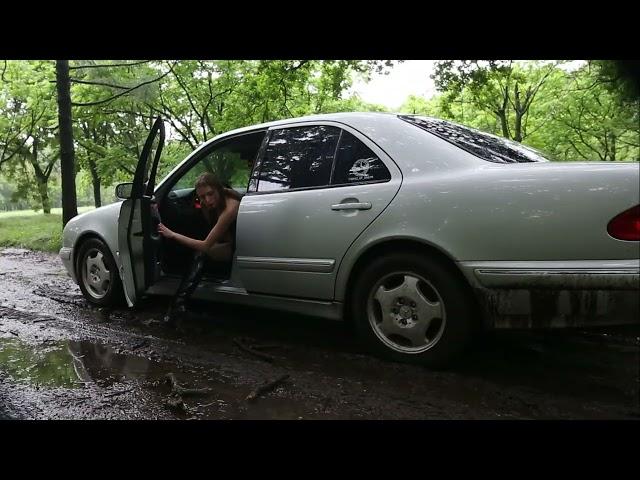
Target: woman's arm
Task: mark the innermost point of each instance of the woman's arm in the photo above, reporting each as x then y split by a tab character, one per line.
219	229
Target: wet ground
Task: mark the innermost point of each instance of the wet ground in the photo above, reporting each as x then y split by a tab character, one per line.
60	358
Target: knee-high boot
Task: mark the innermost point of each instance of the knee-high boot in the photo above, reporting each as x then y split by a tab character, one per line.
187	286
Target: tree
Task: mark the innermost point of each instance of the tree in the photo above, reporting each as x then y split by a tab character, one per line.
65	129
621	77
28	137
97	80
599	124
502	88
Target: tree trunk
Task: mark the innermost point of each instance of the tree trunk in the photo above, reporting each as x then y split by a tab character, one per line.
517	135
67	155
613	147
95	179
42	178
502	115
44	196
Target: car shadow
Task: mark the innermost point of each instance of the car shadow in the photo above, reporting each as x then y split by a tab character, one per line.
600	366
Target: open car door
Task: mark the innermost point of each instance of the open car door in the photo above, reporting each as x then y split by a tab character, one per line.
138	238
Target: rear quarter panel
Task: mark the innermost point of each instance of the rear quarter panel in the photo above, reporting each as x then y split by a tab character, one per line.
480	211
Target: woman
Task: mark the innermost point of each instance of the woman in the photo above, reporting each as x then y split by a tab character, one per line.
220	208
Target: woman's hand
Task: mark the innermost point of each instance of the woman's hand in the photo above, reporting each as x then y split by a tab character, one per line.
165	232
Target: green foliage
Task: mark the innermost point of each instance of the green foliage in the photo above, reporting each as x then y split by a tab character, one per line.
28	121
620	77
115	102
571	115
587	114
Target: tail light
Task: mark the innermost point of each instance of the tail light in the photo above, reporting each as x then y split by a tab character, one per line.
626	226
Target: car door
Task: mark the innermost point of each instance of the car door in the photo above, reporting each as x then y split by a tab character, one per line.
138	239
230	159
304	208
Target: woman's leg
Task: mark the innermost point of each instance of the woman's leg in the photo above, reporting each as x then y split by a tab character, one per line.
220	252
187	286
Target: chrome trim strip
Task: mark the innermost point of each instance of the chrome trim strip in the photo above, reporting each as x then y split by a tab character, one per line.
290	264
555	264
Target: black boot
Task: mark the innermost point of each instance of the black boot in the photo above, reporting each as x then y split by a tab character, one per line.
187	286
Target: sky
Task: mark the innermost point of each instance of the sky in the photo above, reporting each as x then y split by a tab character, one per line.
406	78
410	77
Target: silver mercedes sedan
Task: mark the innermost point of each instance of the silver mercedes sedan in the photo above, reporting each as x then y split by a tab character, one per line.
420	231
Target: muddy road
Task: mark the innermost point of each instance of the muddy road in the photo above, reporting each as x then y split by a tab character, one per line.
60	358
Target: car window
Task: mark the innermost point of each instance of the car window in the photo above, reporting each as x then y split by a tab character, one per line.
299	157
483	145
231	162
355	163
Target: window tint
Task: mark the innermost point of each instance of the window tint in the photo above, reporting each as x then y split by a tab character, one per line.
355	163
298	157
484	145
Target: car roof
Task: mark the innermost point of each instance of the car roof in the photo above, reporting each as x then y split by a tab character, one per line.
343	117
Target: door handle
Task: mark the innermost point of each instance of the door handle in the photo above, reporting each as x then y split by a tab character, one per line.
352	206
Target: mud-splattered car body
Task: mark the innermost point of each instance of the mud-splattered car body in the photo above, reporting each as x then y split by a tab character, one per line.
528	241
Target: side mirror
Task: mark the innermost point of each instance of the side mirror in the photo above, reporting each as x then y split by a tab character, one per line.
123	191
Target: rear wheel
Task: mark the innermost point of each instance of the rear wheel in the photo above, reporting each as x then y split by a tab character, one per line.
412	308
97	274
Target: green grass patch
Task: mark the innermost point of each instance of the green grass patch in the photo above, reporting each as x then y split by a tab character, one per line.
35	232
32	230
32	213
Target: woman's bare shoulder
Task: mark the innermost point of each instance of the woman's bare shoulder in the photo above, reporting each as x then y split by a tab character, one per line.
232	194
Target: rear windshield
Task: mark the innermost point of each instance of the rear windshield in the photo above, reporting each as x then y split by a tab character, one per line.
483	145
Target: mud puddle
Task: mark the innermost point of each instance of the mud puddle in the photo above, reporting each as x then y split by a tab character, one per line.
62	358
94	373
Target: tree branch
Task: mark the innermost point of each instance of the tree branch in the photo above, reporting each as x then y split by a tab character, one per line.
99	102
86	82
50	165
577	149
109	65
186	91
172	115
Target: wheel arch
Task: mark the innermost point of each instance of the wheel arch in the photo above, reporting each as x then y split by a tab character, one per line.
406	245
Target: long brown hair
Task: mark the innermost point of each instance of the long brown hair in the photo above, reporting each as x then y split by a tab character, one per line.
208	179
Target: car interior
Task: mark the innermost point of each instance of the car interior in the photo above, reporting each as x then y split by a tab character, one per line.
232	162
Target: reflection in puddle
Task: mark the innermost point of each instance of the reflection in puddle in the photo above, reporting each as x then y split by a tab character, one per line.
68	364
50	366
72	364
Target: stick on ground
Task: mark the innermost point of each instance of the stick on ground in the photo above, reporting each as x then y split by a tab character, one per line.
113	394
266	387
264	356
181	391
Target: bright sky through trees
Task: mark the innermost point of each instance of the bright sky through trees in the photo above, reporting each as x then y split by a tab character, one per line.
411	77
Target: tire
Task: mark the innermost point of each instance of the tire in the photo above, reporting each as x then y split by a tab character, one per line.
97	274
428	310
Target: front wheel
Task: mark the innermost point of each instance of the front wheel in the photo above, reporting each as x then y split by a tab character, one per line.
412	308
98	275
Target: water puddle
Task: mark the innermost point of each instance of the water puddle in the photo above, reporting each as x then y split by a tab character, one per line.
46	367
71	364
75	364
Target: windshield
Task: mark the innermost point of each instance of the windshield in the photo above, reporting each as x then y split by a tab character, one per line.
483	145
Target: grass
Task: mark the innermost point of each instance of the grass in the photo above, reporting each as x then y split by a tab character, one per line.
33	230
